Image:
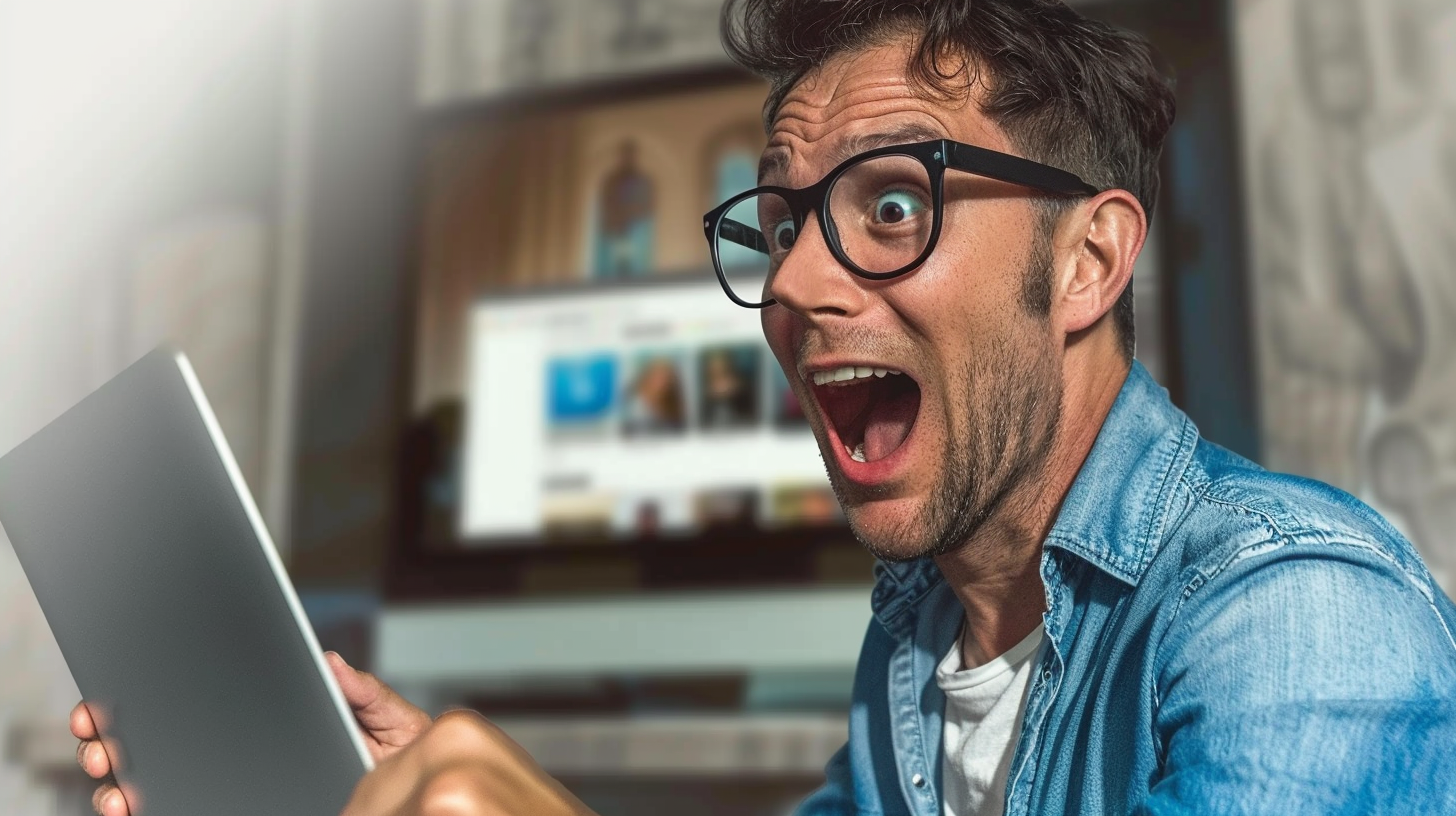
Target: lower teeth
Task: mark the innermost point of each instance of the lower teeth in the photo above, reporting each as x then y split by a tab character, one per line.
858	453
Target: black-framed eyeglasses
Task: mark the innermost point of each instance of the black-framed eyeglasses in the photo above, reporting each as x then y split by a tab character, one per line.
879	212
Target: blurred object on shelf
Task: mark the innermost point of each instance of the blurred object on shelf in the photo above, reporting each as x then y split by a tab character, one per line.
806	504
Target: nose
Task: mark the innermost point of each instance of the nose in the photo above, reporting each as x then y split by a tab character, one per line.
811	282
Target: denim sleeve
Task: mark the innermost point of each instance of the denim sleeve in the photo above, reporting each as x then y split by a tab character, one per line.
836	796
1306	678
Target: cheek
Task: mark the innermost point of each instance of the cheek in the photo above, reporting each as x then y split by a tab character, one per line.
778	330
979	264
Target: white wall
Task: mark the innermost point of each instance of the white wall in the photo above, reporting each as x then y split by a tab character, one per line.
140	147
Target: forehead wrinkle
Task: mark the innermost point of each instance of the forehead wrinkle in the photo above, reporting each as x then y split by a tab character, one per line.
843	142
776	160
907	133
819	111
846	97
856	109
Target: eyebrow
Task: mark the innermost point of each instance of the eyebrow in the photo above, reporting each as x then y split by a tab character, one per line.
776	159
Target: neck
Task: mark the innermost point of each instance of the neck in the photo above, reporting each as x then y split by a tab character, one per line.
997	574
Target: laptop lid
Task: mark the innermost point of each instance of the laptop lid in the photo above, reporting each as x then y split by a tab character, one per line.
171	606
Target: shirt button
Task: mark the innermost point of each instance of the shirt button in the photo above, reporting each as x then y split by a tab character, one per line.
918	781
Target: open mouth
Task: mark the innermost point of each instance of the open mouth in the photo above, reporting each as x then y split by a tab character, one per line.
869	410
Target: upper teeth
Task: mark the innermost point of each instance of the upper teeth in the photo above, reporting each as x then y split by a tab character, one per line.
848	373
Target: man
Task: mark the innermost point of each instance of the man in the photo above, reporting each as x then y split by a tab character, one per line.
1162	627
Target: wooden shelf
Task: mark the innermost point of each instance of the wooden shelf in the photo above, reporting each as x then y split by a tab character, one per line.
690	746
456	645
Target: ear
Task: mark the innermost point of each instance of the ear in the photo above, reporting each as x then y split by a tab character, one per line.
1095	248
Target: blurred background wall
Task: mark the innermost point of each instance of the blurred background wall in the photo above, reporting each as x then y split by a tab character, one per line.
1350	134
338	208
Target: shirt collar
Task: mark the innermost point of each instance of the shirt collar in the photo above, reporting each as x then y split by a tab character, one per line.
1113	515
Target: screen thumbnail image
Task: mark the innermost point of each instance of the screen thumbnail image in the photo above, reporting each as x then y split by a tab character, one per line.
654	401
728	386
581	397
784	404
803	504
726	507
644	516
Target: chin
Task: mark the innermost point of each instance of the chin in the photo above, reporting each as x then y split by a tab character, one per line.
890	529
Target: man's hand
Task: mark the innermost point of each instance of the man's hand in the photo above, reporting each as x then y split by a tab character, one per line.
389	723
462	766
95	760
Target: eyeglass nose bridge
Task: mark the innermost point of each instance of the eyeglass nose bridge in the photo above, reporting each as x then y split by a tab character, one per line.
813	200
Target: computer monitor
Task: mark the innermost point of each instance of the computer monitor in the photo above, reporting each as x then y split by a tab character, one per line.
651	410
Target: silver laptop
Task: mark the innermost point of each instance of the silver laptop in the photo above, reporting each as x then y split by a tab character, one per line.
169	602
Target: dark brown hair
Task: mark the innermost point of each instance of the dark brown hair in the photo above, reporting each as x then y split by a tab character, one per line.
1068	91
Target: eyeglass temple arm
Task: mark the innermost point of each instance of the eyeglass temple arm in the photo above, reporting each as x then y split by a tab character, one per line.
742	234
1016	170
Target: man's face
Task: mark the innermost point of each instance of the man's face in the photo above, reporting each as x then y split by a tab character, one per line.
973	415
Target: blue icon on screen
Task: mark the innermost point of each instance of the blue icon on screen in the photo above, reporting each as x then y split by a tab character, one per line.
581	389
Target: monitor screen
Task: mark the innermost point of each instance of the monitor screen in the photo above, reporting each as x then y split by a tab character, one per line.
630	413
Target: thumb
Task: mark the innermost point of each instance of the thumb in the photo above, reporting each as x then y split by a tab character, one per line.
389	722
378	708
361	690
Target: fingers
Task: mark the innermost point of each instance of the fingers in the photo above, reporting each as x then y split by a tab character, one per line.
108	801
93	759
389	719
82	725
360	688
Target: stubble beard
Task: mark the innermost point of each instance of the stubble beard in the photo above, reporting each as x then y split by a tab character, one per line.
1011	414
987	464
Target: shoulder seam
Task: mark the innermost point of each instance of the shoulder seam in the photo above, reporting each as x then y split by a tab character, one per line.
1279	539
1276	539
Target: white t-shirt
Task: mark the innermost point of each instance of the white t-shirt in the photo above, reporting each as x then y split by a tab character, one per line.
983	710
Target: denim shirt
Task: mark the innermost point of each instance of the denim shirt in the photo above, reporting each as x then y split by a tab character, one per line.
1220	640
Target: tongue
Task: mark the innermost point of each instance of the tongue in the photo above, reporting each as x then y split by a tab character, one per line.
888	423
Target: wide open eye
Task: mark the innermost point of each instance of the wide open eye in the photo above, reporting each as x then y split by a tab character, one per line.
776	223
896	206
883	211
784	235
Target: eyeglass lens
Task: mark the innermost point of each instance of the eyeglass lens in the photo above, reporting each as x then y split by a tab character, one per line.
881	209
